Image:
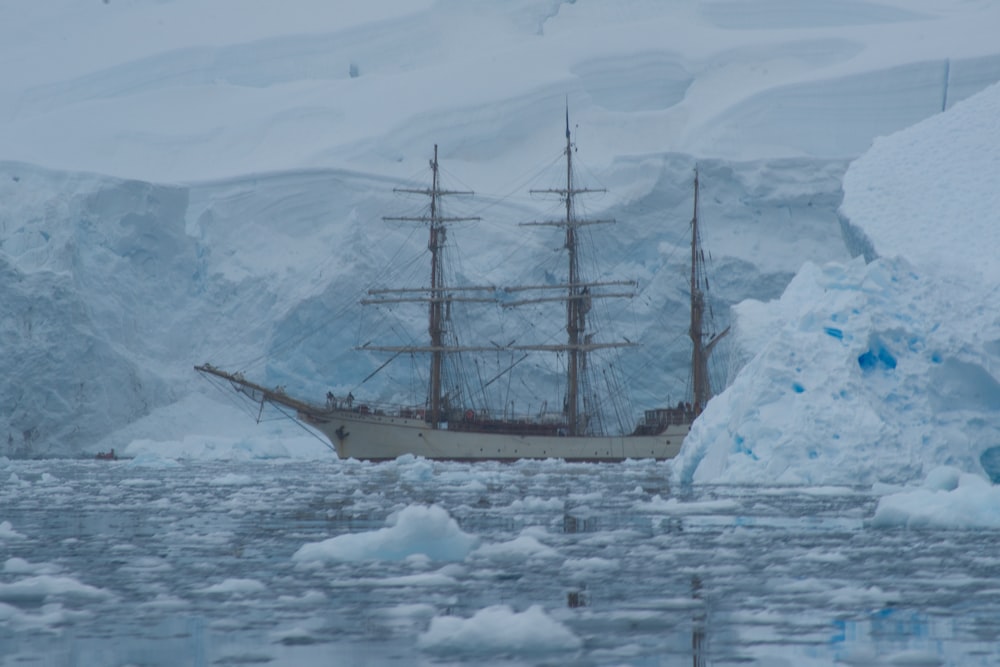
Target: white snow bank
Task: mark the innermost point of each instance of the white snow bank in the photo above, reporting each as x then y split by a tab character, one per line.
499	628
948	498
876	372
417	529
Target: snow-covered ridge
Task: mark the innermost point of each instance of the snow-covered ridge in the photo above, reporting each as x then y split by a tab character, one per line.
171	91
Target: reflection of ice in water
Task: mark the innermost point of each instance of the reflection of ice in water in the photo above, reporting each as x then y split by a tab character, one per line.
114	562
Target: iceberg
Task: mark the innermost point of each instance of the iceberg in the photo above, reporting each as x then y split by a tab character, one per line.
885	367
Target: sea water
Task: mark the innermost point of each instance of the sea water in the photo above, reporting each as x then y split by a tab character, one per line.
539	563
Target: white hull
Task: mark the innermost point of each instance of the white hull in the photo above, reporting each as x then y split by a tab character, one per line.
381	437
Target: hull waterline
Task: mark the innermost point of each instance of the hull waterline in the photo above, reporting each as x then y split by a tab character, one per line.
382	437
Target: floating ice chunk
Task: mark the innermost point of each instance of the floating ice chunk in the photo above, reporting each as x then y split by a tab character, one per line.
943	478
536	504
45	586
521	547
415	470
417	529
50	616
14	480
235	586
948	499
7	532
674	506
16	565
499	628
232	479
434	580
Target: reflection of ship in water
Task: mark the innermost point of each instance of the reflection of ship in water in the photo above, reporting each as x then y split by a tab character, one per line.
578	597
698	640
450	422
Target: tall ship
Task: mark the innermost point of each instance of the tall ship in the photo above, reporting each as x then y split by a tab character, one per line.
446	424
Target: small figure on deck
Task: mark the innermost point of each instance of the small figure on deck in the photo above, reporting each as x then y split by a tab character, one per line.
331	401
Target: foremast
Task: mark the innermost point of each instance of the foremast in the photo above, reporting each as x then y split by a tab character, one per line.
438	295
702	343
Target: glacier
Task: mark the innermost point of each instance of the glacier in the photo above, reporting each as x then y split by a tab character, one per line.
207	185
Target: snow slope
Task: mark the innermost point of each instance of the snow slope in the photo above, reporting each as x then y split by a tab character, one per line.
184	181
177	91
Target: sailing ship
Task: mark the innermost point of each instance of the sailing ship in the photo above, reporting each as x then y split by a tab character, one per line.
441	427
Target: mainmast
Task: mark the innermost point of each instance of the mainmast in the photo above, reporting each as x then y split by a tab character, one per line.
702	343
576	306
435	325
578	298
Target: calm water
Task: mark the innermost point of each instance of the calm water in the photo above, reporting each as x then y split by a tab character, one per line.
191	564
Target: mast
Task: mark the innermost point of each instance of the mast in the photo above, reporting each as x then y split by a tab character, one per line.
435	324
437	293
700	347
576	310
578	297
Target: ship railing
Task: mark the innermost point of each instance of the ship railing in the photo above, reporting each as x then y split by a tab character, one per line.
655	421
